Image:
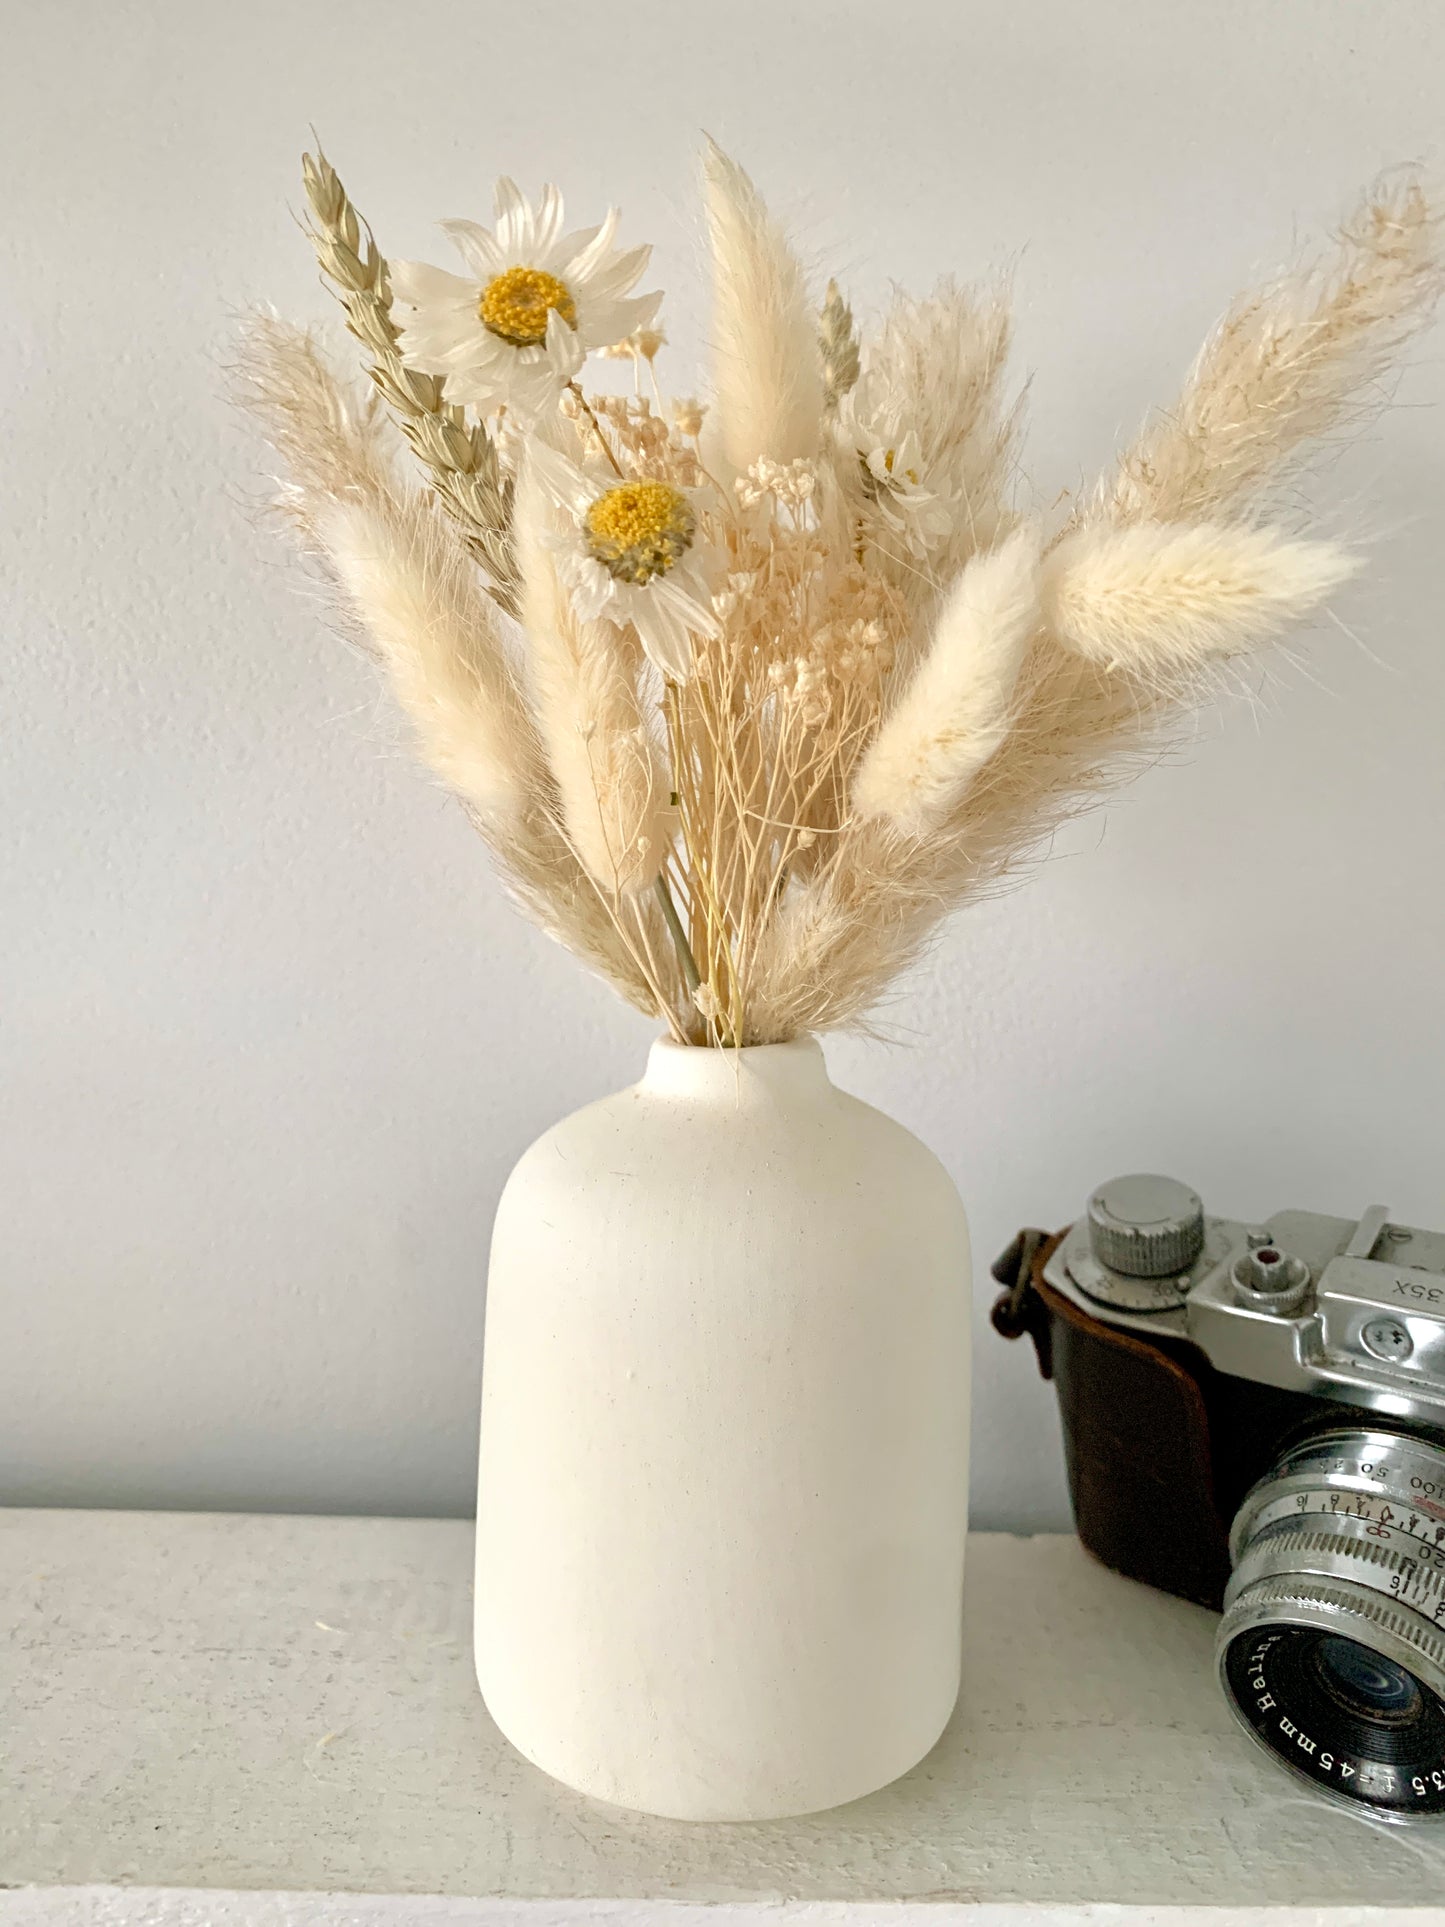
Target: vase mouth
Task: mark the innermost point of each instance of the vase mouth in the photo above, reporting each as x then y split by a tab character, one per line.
701	1070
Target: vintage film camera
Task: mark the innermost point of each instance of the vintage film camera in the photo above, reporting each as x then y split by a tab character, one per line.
1254	1419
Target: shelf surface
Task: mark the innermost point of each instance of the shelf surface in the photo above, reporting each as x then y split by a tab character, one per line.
251	1702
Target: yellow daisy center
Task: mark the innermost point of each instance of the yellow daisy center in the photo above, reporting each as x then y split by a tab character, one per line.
639	529
516	303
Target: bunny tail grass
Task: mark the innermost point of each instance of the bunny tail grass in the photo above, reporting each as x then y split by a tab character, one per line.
585	687
1162	594
955	713
767	363
417	598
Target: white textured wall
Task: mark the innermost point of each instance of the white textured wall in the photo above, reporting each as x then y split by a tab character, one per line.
270	1039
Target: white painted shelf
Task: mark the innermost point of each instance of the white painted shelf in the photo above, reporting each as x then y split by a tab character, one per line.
254	1712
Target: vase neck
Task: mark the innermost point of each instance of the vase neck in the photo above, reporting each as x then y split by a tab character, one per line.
759	1072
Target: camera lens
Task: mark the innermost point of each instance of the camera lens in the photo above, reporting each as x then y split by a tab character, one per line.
1332	1646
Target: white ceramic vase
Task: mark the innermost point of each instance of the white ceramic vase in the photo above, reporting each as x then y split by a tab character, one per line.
724	1452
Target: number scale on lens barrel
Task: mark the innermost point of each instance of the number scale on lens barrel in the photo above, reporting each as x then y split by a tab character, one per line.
1418	1528
1331	1476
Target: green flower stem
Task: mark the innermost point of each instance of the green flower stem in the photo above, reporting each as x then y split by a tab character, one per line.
678	934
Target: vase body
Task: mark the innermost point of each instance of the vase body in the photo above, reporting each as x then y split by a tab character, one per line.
724	1449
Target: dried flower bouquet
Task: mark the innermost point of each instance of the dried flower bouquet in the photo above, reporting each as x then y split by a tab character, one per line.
746	698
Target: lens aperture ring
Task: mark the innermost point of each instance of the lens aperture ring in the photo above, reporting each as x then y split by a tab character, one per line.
1399	1568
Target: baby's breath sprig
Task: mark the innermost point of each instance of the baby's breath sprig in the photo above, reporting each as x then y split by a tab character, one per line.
838	347
460	456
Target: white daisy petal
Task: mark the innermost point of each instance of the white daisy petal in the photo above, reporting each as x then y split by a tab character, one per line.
531	389
478	248
434	354
590	258
622	272
418	284
665	639
562	481
593	596
565	349
566	251
514	219
475	386
688	607
548	223
609	321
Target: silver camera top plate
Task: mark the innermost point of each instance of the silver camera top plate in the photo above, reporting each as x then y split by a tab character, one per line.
1346	1309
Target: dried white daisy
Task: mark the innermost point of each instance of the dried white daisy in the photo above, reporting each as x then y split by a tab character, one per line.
872	422
515	329
630	551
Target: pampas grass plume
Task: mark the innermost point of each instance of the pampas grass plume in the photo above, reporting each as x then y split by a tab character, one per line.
584	687
767	363
1162	596
416	597
1289	364
326	432
954	715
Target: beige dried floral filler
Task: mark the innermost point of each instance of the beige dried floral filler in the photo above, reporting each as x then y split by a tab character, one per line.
747	696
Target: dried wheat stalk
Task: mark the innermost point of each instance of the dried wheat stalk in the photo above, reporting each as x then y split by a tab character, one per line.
837	348
460	456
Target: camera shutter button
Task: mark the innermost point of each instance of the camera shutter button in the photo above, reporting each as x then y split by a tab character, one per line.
1145	1226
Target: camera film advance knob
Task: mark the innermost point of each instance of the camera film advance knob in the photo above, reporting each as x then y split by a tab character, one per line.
1146	1227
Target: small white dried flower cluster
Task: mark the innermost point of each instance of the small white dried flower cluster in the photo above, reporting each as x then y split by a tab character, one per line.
841	659
738	586
643	344
802	684
687	416
790	483
771	598
860	648
644	441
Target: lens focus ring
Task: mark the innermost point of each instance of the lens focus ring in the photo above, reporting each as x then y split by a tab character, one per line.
1400	1572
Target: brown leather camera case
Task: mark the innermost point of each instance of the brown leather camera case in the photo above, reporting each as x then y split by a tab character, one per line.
1160	1447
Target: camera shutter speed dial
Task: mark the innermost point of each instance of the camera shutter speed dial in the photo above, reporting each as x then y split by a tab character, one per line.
1146	1227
